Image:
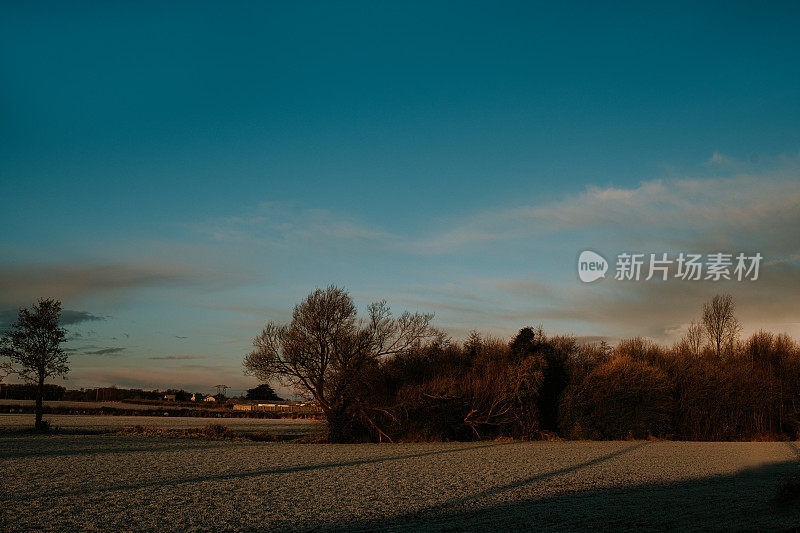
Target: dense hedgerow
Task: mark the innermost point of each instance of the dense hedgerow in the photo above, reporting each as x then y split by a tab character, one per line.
537	386
622	398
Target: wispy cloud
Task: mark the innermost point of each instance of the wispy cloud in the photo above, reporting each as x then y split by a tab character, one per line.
69	317
281	225
192	379
22	284
177	357
105	351
742	209
731	208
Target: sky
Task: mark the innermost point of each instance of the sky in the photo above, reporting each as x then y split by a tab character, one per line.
179	174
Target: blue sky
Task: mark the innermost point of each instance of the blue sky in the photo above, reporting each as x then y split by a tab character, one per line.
184	173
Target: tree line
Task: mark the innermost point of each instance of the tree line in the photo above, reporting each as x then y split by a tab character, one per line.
384	378
381	377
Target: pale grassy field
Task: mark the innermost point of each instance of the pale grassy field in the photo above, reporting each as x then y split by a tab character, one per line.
87	405
284	427
69	482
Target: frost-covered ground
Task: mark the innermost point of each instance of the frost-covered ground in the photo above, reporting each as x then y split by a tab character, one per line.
90	405
69	482
284	427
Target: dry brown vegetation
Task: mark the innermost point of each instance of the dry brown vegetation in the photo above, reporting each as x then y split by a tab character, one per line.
538	385
709	386
210	431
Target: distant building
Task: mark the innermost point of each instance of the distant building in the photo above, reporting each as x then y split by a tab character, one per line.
209	399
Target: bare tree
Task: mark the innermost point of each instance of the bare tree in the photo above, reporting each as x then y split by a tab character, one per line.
324	350
221	390
693	339
719	322
33	347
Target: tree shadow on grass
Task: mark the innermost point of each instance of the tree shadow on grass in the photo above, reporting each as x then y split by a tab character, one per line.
157	483
747	500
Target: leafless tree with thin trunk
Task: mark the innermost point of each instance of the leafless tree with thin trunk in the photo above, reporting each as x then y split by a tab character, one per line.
693	339
33	347
325	348
719	322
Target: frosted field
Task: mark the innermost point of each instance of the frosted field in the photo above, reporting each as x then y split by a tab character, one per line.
88	405
69	482
286	427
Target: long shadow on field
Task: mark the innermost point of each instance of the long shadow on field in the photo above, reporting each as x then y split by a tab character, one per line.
455	502
747	500
161	482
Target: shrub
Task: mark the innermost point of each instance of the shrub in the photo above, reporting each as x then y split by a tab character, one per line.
622	398
217	431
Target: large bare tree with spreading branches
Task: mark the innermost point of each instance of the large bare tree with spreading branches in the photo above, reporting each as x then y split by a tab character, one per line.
33	349
326	347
